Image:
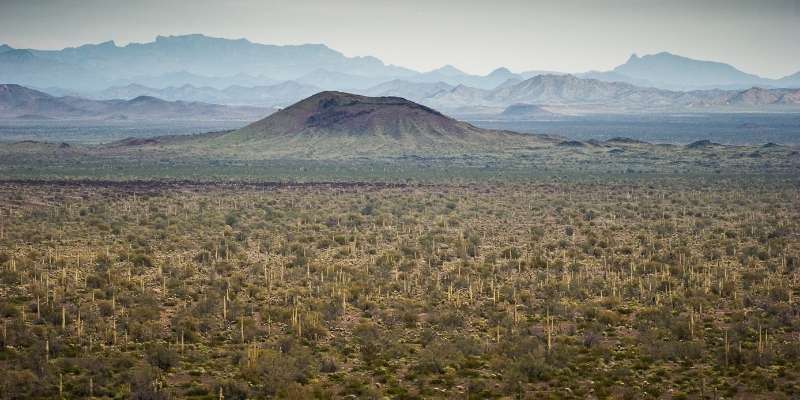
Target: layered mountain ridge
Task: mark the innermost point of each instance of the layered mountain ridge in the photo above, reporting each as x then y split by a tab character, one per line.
208	61
587	94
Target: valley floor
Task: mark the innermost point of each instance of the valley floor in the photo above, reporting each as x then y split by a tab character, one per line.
601	286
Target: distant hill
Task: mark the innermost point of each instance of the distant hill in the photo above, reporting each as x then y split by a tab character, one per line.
20	102
498	77
676	72
457	97
670	71
336	124
415	91
759	96
182	78
281	94
455	77
611	76
525	111
128	92
147	107
790	81
530	74
568	89
445	73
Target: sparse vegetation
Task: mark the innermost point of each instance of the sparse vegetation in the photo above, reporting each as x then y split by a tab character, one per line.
576	288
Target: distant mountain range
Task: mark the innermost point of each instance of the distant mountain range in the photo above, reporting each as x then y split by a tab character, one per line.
669	71
569	91
196	71
97	66
542	96
202	61
18	102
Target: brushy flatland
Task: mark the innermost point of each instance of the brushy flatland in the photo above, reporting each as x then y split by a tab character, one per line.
667	287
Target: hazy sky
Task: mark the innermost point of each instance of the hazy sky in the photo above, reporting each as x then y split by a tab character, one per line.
759	36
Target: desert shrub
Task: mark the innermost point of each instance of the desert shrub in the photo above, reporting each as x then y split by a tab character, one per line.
162	357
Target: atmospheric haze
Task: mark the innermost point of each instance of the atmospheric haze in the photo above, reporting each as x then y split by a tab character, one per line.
476	36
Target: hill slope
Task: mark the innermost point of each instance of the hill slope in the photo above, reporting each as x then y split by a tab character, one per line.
336	124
